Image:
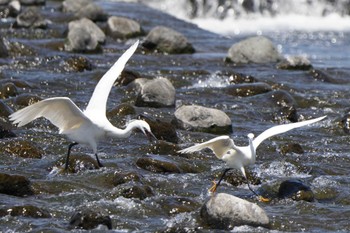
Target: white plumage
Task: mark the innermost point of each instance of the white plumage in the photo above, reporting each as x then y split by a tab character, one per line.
87	127
240	156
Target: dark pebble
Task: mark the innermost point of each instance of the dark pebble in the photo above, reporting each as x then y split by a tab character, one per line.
5	131
162	130
8	90
247	89
292	148
27	99
89	219
5	110
296	190
27	211
122	177
77	64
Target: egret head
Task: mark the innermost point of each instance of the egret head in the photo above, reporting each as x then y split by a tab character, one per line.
145	129
250	136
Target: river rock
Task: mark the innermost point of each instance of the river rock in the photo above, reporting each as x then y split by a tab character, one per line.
345	123
198	118
21	148
156	93
237	78
14	8
32	2
224	211
167	40
295	63
134	191
15	185
89	219
80	162
28	211
77	64
173	205
257	49
235	178
7	90
159	164
323	76
123	28
296	190
3	48
5	110
292	148
127	77
5	131
84	9
84	35
125	177
31	18
248	89
162	130
26	99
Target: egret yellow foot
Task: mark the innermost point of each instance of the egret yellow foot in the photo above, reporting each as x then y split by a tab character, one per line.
213	188
263	199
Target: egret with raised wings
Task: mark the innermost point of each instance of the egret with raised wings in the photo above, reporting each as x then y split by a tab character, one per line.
84	127
240	156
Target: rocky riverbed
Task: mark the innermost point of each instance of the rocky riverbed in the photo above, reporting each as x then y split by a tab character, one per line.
190	85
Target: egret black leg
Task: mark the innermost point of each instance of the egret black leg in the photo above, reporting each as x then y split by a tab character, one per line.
250	188
222	176
98	161
68	154
260	198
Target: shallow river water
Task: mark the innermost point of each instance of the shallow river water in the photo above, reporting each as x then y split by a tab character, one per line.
200	78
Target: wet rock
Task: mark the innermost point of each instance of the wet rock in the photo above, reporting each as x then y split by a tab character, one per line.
84	36
121	110
19	49
28	211
296	190
257	49
345	123
167	40
3	48
156	93
5	110
136	191
235	178
286	113
27	99
323	76
292	148
295	63
32	2
160	164
126	77
224	211
21	148
15	185
89	219
125	177
163	148
237	78
7	90
84	9
77	64
198	118
162	130
14	8
123	28
5	131
31	18
80	162
176	205
248	89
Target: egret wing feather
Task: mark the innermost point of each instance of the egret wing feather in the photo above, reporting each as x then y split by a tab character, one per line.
219	145
60	111
278	129
98	102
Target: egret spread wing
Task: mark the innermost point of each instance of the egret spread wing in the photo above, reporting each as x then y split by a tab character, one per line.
278	129
60	111
219	145
98	101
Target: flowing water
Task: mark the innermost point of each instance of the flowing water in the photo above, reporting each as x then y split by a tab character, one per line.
199	78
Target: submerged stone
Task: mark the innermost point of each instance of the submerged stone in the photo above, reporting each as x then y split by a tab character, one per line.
296	190
21	148
89	219
27	99
295	63
28	211
248	89
224	211
15	185
8	90
5	110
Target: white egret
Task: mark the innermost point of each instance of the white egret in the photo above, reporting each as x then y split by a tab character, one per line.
239	156
84	127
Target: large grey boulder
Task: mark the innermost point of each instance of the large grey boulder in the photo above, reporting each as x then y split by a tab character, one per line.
84	9
198	118
84	35
167	40
224	211
123	28
257	49
158	92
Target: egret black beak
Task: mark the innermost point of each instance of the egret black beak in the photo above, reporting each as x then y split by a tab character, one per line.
151	136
